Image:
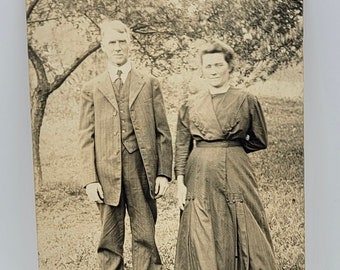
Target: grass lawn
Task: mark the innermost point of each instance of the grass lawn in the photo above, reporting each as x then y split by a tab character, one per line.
68	225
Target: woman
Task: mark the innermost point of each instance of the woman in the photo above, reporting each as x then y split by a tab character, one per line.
222	223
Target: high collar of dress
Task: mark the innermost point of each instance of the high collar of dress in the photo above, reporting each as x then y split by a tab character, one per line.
220	90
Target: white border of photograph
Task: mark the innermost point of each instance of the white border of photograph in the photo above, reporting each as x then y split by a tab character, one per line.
18	249
18	244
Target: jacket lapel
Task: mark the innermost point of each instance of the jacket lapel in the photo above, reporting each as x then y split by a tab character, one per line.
136	85
105	86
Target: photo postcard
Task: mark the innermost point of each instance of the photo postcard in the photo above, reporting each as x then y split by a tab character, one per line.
208	133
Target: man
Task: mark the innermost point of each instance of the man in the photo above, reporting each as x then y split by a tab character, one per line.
126	152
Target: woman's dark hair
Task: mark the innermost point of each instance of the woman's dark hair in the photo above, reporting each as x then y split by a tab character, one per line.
219	47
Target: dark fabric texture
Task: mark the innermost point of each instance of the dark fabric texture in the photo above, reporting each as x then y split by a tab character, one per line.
142	211
223	225
100	132
125	144
129	139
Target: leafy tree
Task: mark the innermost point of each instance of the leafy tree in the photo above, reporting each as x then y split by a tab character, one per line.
44	85
265	34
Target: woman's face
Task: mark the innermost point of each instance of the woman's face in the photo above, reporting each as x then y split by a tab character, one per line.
215	69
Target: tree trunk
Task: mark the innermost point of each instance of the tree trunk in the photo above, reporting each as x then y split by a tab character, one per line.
39	99
38	105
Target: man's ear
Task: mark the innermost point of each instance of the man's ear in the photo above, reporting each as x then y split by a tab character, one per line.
102	46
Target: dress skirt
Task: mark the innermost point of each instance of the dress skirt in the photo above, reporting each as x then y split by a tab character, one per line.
223	225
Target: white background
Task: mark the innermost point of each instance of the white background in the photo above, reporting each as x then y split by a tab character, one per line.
18	247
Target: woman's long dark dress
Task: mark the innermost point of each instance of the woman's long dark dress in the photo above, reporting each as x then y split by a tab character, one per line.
223	225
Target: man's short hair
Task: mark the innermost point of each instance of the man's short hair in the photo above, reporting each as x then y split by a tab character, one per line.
116	25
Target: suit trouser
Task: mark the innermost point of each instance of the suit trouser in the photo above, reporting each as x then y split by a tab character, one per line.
142	211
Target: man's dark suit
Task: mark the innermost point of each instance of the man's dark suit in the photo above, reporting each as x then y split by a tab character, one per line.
106	160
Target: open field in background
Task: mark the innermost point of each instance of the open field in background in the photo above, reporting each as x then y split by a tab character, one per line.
68	225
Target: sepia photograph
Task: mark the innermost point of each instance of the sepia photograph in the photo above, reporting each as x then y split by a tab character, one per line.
168	134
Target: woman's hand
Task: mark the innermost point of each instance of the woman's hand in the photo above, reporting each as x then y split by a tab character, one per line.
181	192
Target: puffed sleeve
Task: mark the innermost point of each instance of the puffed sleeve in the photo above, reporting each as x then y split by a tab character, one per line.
163	135
257	137
184	141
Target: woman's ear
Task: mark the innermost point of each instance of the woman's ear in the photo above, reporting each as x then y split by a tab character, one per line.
231	68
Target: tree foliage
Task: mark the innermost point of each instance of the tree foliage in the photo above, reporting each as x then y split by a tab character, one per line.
260	31
265	34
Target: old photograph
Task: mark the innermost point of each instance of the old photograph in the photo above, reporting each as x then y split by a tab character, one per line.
168	134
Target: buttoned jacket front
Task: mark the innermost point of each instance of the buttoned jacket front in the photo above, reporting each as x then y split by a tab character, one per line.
100	132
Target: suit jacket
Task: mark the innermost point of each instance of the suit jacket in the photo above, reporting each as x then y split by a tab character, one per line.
100	134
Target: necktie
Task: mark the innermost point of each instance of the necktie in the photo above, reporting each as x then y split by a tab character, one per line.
118	82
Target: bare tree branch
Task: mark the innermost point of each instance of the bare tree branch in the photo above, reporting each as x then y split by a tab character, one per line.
41	21
38	66
139	26
146	52
145	32
30	8
59	79
90	19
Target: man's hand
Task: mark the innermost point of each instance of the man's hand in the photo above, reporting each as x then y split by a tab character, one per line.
181	192
161	187
95	192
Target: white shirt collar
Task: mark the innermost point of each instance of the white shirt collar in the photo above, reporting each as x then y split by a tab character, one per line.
124	68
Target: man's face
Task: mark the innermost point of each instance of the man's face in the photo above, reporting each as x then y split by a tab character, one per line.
116	46
215	69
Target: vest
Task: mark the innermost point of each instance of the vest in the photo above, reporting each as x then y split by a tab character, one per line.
128	136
